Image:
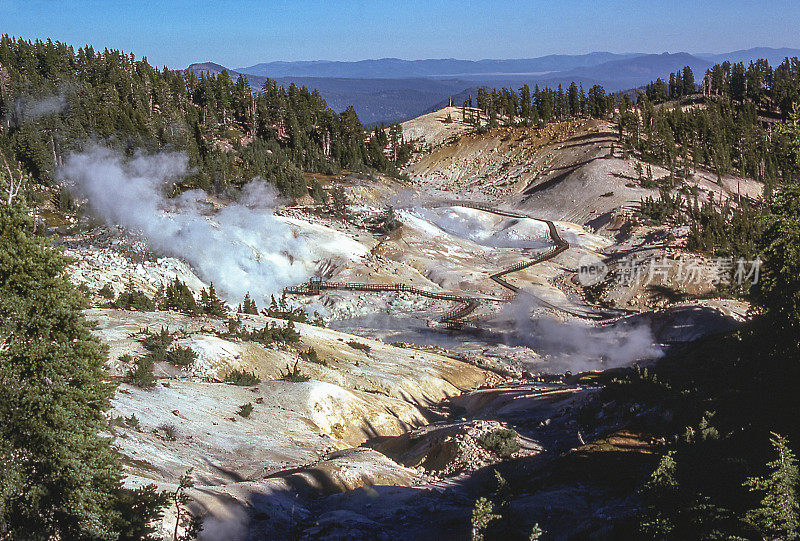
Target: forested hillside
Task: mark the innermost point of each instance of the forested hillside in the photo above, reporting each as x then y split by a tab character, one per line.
725	405
723	408
54	99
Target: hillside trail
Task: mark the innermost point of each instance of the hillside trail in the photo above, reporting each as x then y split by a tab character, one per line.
467	304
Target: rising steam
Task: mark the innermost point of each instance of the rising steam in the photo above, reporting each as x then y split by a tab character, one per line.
241	247
573	344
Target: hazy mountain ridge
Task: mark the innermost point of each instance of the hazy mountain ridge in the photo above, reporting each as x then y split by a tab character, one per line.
392	89
394	68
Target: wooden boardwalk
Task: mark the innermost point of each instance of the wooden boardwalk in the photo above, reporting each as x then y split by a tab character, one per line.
466	304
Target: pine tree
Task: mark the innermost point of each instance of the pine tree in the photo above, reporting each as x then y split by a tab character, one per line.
248	305
210	303
178	296
58	478
482	515
340	205
778	517
661	496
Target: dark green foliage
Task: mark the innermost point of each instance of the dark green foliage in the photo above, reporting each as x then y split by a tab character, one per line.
140	509
734	231
169	431
386	221
673	510
340	204
210	303
141	374
177	296
727	134
294	374
282	310
319	195
58	478
248	306
132	422
133	299
245	410
111	96
482	515
660	209
311	356
187	527
157	342
778	515
713	459
181	356
778	290
64	200
106	292
242	378
234	326
542	105
358	345
271	333
502	442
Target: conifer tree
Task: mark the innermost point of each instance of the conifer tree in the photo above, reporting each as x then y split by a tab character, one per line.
58	478
248	305
778	516
210	303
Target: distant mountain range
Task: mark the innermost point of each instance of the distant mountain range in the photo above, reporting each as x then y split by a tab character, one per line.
391	89
394	68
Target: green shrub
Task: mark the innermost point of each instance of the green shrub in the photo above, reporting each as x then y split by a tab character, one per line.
311	356
273	333
181	356
210	303
177	296
386	221
241	377
294	374
234	328
141	374
132	422
106	292
248	305
170	432
502	442
132	299
358	345
157	341
282	310
245	410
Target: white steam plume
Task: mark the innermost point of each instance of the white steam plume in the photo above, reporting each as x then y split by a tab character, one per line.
28	109
242	247
576	345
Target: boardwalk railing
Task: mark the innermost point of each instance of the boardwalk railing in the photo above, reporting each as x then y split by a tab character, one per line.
468	304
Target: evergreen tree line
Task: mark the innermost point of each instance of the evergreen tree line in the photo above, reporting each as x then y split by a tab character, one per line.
541	106
727	404
54	99
681	83
727	133
769	89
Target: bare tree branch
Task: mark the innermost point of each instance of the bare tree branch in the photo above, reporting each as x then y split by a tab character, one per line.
13	189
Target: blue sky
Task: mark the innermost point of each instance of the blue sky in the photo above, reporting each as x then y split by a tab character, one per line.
239	33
